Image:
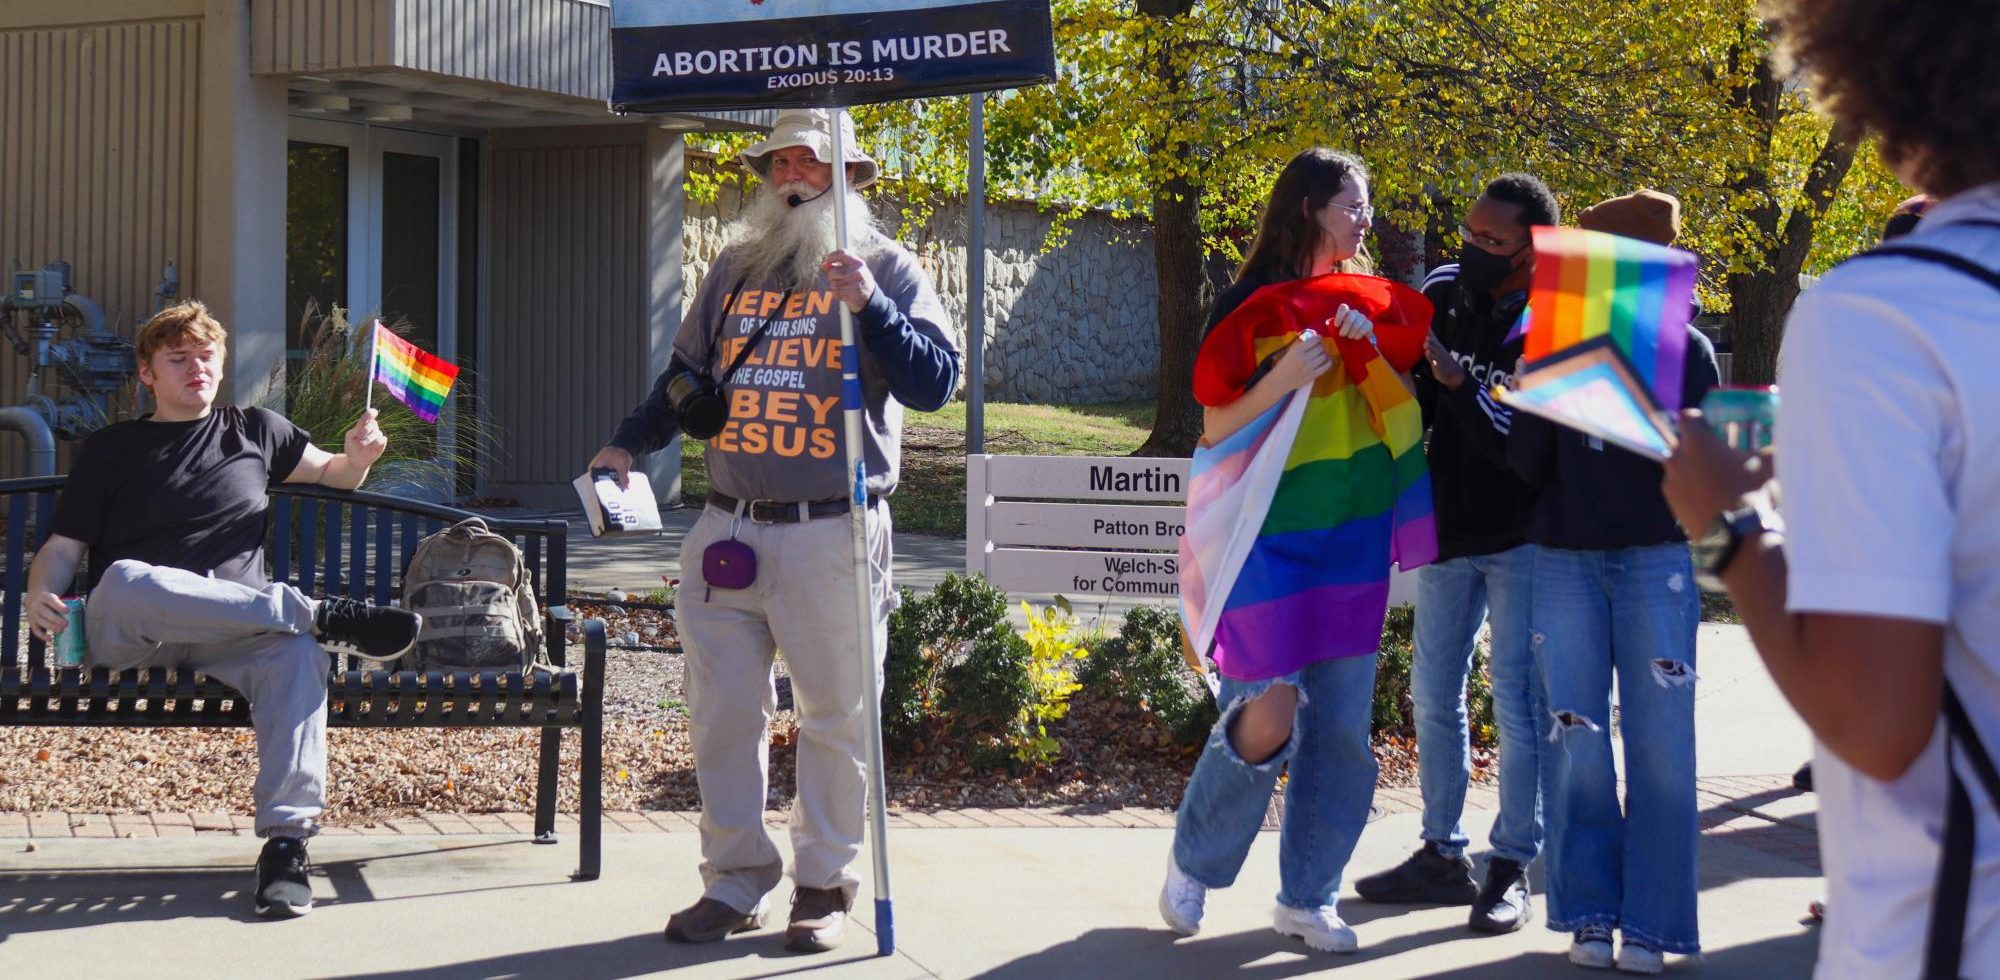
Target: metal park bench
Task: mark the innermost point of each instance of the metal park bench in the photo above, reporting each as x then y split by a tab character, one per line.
329	542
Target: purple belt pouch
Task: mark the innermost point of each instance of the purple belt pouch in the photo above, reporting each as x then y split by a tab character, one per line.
728	564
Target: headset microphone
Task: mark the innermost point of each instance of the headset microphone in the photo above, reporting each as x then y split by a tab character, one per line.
794	200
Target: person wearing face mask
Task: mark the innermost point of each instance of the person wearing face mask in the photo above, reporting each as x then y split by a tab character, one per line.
1483	571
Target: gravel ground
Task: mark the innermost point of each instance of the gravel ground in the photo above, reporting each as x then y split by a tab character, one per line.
1112	755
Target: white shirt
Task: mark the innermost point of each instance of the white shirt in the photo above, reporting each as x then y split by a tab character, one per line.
1888	444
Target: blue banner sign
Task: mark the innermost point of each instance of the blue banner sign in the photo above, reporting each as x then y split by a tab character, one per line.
713	55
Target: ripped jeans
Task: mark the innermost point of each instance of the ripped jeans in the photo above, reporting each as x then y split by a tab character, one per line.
1327	797
1632	612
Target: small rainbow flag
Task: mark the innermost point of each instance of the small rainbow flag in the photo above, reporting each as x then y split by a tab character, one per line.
416	378
1294	520
1589	284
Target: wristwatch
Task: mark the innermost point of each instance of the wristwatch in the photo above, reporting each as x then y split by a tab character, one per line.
1716	548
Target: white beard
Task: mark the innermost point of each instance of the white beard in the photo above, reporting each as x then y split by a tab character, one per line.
785	246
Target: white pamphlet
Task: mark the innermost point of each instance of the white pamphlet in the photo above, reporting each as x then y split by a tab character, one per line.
612	511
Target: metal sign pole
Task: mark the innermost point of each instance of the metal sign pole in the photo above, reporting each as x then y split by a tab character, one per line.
850	396
975	283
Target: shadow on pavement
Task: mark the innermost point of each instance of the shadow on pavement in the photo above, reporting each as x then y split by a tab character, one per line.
1777	957
55	898
48	900
635	956
1147	954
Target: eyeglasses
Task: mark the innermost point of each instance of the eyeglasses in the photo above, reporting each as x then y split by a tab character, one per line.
1500	246
1366	212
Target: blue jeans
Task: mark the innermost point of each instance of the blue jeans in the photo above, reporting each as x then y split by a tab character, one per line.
1326	800
1453	597
1633	612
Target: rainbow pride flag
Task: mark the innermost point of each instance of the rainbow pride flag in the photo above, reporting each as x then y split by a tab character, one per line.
1589	284
416	378
1294	520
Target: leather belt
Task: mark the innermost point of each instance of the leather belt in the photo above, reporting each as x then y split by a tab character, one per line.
785	511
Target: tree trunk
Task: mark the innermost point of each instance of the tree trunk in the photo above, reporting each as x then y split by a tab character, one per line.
1758	302
1177	255
1760	299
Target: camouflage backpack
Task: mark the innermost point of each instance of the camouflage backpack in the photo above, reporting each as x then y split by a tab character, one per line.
478	604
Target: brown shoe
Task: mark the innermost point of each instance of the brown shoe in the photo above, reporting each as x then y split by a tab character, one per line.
709	920
819	919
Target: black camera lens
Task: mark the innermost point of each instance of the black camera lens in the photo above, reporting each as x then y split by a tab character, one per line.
700	404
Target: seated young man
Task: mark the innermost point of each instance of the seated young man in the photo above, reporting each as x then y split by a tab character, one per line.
171	510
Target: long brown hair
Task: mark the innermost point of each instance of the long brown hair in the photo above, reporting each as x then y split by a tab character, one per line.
1288	237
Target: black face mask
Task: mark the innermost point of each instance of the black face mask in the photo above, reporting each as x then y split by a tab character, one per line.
1479	270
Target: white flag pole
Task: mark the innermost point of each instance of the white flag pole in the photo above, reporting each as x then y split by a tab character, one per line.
368	386
850	396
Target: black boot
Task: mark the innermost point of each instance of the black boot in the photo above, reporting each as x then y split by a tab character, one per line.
1427	878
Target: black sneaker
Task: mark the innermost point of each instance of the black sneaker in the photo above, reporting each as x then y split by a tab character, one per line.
283	892
1503	905
378	633
1428	877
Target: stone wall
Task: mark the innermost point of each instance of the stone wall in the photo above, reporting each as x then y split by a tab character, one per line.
1067	325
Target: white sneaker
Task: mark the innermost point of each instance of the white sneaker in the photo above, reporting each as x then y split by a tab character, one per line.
1591	947
1321	928
1181	900
1640	958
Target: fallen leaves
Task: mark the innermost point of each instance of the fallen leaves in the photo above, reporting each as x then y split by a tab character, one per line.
1111	754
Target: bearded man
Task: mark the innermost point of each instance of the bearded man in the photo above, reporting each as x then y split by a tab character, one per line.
764	327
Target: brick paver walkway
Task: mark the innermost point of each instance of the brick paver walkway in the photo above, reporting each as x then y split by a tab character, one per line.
1730	810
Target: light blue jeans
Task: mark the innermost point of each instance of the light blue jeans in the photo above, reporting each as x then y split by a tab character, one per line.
1453	598
1326	799
1631	612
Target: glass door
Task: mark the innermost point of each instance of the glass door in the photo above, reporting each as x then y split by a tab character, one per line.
371	225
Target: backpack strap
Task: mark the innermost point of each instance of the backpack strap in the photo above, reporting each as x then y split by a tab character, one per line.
1945	946
1939	256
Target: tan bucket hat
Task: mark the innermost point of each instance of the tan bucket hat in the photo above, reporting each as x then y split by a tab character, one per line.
812	129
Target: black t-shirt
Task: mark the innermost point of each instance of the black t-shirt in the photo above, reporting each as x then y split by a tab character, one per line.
186	495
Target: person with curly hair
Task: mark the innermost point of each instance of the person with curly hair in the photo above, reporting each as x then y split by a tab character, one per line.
1875	602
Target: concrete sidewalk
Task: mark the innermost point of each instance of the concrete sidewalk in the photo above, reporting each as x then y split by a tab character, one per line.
969	903
994	902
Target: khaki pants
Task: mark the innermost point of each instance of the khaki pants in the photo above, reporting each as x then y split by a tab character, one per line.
258	641
802	603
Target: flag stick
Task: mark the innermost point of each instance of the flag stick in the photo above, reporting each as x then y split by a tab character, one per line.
368	399
850	396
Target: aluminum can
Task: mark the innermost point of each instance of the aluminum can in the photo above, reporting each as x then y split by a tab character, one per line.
70	645
1746	417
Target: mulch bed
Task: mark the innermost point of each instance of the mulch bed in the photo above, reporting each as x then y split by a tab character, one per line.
1112	755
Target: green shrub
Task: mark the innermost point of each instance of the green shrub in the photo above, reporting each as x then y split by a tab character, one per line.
984	692
925	633
957	669
1142	666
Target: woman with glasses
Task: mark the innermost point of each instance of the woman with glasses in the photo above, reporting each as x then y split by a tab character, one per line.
1297	664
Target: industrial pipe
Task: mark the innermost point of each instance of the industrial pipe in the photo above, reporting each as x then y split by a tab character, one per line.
87	311
35	429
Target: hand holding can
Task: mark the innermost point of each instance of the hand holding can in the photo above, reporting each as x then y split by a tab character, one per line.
69	645
1746	417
